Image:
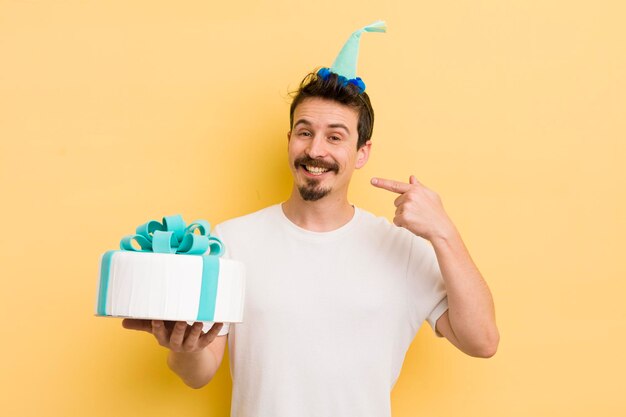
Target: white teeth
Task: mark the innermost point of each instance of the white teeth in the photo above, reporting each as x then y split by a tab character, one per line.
315	170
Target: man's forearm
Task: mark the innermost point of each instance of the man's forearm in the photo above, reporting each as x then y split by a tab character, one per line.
196	369
470	304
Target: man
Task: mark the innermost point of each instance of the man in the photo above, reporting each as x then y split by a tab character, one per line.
334	294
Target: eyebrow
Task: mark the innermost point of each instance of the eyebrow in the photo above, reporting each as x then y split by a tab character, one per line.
332	125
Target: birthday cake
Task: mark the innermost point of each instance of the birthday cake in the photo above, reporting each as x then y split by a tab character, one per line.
170	271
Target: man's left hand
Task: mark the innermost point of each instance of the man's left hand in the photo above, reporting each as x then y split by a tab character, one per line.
418	209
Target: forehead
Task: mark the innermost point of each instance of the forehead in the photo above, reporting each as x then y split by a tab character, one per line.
320	112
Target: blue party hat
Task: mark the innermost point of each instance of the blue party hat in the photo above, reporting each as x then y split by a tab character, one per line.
345	63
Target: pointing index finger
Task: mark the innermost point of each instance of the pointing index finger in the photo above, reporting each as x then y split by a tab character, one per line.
391	185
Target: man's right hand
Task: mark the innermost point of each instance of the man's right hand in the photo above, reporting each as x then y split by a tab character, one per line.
194	356
177	336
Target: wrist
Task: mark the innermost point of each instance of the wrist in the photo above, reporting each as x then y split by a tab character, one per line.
179	358
444	235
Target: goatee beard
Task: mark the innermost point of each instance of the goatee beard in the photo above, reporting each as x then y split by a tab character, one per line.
311	191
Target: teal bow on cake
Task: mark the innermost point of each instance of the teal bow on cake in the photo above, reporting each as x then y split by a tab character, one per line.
174	236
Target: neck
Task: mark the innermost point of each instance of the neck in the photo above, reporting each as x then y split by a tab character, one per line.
326	214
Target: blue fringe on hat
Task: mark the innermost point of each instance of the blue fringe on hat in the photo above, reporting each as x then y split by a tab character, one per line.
324	73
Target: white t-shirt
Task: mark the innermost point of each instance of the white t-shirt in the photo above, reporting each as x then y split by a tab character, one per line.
328	316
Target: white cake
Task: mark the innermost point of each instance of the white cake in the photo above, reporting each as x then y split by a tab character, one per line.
175	287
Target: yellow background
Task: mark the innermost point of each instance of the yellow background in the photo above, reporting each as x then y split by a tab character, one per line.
116	112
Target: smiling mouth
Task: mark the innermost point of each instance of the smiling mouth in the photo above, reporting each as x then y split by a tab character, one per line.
315	167
314	170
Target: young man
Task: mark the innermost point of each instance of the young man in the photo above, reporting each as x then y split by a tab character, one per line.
334	295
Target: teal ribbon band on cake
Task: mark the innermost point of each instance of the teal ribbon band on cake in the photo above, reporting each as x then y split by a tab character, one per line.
208	291
208	286
172	235
105	273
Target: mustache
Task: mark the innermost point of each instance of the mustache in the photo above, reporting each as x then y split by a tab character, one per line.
318	163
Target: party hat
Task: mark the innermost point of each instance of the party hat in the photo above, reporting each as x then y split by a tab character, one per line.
345	63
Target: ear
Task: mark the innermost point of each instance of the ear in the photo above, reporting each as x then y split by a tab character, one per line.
363	154
288	136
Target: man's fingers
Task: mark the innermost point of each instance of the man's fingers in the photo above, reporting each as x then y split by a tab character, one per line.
391	185
159	331
192	338
209	336
137	324
401	199
178	334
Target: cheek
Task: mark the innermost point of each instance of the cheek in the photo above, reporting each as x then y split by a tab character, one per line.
344	157
294	148
292	151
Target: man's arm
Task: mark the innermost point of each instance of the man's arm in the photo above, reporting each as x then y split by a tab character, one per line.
469	323
194	356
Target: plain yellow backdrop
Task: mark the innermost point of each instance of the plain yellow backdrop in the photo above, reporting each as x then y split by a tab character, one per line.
116	112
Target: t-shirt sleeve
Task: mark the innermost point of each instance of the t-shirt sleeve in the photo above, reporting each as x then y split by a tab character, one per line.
427	291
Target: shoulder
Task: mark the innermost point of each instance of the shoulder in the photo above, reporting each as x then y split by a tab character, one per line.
372	220
381	226
383	229
249	222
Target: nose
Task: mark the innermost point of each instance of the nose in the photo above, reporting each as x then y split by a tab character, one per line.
316	147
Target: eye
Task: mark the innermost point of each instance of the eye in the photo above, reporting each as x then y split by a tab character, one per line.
334	138
304	133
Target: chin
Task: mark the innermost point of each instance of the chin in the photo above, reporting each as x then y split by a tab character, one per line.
313	193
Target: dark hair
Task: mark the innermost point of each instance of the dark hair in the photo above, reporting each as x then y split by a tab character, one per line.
332	88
